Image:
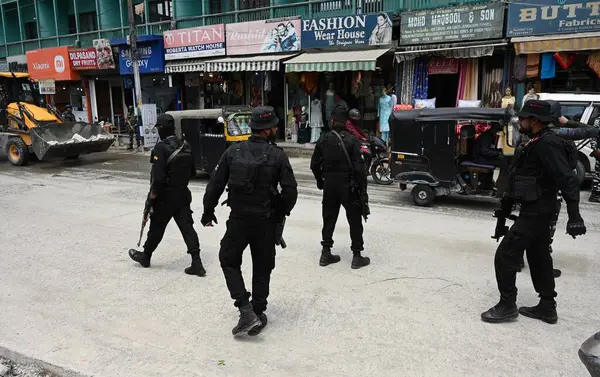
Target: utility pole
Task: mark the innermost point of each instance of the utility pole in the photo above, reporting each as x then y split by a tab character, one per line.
134	60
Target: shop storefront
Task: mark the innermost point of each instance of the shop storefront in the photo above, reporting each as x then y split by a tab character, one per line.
557	47
453	56
62	84
186	51
157	87
345	63
252	73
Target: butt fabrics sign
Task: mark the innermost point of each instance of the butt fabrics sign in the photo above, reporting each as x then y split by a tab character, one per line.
195	42
50	64
539	17
263	37
151	58
346	31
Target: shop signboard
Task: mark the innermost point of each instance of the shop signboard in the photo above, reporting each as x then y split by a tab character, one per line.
47	86
263	37
50	64
149	132
539	17
442	66
17	63
196	42
151	59
83	58
455	24
347	31
104	54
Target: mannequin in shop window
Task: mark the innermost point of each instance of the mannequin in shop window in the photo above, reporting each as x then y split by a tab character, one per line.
316	120
530	95
385	110
508	101
329	101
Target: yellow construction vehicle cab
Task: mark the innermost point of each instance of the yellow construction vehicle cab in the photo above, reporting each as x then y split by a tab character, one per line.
28	127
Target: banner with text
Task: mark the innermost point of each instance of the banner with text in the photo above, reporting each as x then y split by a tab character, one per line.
347	31
539	17
196	42
455	24
151	59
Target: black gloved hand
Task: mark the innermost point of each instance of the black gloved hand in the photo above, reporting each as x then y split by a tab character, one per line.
207	219
320	184
576	227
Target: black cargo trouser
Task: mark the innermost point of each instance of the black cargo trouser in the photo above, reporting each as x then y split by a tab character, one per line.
175	205
337	193
259	233
531	234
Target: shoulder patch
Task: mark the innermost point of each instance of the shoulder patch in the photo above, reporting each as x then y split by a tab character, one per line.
155	158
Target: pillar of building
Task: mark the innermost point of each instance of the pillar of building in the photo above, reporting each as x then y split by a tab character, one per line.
108	12
45	12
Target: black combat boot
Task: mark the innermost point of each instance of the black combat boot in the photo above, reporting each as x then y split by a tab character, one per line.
359	261
248	320
504	311
263	322
544	311
327	258
196	268
142	258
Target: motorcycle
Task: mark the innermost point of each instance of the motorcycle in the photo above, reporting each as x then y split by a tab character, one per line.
375	157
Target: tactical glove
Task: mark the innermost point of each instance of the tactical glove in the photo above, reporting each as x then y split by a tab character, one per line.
576	227
207	219
320	184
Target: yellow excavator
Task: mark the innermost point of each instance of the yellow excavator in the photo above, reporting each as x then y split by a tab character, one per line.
28	128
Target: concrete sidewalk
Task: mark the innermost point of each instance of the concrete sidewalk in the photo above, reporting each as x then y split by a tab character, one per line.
71	296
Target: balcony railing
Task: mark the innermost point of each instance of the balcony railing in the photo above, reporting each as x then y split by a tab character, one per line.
307	9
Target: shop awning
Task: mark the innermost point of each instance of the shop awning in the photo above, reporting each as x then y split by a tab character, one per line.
456	51
259	63
557	43
335	61
188	65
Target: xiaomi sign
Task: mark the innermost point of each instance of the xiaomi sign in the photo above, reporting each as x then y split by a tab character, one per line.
50	64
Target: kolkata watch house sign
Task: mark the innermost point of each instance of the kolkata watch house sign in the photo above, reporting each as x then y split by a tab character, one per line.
473	22
539	17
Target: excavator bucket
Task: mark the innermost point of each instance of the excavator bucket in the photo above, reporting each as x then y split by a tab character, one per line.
69	139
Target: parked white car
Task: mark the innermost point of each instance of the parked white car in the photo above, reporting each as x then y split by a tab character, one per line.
584	108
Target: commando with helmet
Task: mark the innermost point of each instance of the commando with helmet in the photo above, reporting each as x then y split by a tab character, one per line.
169	196
252	170
541	170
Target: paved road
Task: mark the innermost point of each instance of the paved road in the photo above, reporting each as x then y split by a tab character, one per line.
71	296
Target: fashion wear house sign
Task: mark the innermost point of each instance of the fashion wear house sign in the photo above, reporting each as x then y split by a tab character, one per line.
539	17
475	22
355	30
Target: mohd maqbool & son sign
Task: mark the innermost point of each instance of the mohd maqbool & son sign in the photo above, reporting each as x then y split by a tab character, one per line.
455	24
540	17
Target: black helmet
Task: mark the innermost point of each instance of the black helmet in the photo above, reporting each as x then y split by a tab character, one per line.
354	114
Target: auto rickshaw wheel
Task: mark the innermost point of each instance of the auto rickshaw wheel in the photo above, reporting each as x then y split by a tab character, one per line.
422	195
18	154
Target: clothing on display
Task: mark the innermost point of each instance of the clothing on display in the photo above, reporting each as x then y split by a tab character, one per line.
508	99
548	69
316	120
329	103
394	100
406	89
594	62
385	110
520	67
310	82
468	85
421	80
533	65
268	82
529	96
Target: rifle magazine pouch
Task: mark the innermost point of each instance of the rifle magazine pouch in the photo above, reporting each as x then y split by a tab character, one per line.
526	189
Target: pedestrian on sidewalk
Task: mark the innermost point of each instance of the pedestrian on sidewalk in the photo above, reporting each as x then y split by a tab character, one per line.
337	177
170	198
252	170
541	170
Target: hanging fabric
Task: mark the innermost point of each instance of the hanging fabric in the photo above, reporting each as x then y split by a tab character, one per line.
594	62
421	80
462	76
548	69
533	65
406	91
564	59
520	67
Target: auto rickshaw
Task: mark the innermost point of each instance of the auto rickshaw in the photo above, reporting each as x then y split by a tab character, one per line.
210	132
433	149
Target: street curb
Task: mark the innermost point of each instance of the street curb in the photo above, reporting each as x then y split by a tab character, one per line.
20	358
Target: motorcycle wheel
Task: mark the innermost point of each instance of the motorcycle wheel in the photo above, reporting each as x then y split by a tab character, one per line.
381	173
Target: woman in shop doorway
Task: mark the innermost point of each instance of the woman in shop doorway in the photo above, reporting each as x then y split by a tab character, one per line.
382	33
386	106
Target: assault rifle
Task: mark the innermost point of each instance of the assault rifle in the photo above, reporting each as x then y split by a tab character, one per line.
501	216
280	216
